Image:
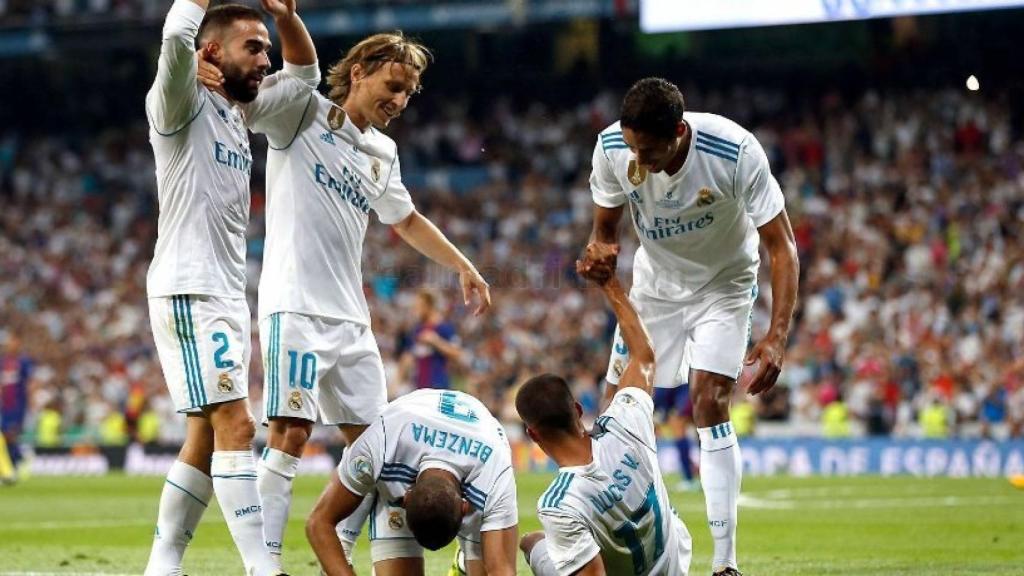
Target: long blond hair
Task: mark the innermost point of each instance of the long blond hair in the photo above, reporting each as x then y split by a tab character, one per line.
372	53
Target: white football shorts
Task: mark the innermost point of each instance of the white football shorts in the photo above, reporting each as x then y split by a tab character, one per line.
710	335
317	366
204	347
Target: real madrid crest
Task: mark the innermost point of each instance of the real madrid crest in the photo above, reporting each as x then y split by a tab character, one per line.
395	520
618	368
636	173
375	170
295	401
705	197
336	118
224	383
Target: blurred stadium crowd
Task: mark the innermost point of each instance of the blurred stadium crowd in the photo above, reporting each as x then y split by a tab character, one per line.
907	209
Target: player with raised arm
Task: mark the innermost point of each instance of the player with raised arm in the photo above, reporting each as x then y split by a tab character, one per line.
196	281
702	198
608	511
436	465
328	166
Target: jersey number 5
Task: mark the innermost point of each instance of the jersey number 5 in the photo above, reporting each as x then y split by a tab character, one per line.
633	535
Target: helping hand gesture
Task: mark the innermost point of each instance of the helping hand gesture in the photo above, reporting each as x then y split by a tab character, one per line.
598	263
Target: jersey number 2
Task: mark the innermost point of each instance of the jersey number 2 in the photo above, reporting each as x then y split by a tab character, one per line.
218	356
629	532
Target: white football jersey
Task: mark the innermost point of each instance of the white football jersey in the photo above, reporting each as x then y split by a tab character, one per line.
442	429
697	227
203	164
324	176
616	506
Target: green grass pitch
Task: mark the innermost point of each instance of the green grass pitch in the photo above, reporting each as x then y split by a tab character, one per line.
788	526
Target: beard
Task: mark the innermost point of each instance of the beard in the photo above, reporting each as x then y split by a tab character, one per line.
238	85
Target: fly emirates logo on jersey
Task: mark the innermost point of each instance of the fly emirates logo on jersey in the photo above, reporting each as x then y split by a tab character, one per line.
226	156
662	228
350	187
657	227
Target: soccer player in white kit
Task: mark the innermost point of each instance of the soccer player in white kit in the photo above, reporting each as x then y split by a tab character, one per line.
328	166
196	281
701	197
436	465
607	511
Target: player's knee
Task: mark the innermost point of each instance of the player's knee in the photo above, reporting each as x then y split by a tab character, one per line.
294	437
235	428
711	403
528	541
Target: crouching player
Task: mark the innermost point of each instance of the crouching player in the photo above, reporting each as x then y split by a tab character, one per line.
438	465
607	512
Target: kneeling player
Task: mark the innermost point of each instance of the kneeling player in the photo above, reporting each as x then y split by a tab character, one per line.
439	466
608	511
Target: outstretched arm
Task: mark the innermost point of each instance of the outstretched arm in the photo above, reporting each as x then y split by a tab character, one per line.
422	235
639	371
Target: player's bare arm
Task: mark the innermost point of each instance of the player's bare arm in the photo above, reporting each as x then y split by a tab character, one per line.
420	233
296	44
499	552
334	505
639	371
777	237
605	231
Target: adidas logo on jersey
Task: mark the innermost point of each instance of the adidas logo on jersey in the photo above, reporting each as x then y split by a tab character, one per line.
328	138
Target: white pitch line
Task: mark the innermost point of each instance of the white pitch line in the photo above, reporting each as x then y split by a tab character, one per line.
867	503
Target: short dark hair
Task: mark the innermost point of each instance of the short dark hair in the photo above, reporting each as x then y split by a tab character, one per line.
433	509
546	404
220	17
653	106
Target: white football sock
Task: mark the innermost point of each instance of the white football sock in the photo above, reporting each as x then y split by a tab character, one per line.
721	471
275	472
234	481
349	529
184	498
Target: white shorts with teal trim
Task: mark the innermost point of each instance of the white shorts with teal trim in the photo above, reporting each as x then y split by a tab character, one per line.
204	346
709	335
316	366
390	538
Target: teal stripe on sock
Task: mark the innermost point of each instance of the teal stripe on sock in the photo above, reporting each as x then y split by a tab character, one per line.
194	497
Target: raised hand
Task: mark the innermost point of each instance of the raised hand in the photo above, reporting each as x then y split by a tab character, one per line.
279	8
